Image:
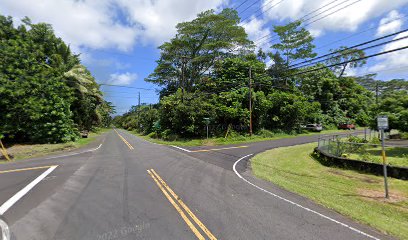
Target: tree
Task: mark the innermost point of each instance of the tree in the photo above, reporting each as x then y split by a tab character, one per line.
343	54
295	42
287	111
395	107
196	47
87	97
233	73
41	98
185	118
340	99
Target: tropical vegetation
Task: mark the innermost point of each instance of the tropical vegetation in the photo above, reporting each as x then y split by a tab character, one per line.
46	94
210	69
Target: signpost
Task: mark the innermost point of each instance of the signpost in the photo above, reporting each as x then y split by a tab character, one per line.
207	122
382	124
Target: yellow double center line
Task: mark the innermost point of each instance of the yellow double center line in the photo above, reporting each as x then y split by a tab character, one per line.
124	140
181	205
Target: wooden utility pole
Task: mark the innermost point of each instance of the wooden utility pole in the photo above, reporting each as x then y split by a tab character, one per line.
376	92
250	101
138	109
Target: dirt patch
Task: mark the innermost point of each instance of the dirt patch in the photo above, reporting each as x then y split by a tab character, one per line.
28	150
208	143
362	178
375	195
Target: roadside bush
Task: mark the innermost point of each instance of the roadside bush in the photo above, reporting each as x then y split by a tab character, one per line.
265	133
355	139
168	135
375	141
152	135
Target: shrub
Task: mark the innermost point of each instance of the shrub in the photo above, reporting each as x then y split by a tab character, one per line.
355	139
152	135
265	133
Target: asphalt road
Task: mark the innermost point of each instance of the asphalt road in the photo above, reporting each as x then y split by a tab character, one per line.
128	188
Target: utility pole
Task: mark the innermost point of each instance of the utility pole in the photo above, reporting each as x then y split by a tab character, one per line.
250	101
138	104
376	92
138	110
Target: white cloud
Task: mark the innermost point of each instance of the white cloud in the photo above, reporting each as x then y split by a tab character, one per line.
391	23
122	78
118	24
255	29
159	18
393	62
347	19
89	23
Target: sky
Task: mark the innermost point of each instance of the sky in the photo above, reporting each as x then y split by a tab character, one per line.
118	39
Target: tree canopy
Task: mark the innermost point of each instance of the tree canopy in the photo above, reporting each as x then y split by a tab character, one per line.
202	74
46	95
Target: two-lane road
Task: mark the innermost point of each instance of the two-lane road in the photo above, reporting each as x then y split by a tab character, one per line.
132	189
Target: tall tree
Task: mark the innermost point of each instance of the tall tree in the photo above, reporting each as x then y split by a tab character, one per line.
196	47
87	97
342	56
295	42
42	95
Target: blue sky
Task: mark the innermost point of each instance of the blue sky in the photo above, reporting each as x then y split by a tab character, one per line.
118	39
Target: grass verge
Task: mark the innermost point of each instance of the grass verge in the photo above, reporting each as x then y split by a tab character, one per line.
396	156
23	151
232	140
359	196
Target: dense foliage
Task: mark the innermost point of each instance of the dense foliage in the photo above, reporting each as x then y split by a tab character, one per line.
46	95
204	72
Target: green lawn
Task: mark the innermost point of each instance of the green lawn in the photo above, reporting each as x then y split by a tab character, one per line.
360	196
396	156
23	151
233	140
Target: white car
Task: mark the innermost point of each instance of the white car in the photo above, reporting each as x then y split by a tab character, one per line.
314	127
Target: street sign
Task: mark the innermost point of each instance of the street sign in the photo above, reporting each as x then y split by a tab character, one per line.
382	122
207	122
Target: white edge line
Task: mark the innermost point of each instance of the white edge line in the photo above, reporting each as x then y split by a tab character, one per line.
5	230
296	204
72	154
185	150
9	203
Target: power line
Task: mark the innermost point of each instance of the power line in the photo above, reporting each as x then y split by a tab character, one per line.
352	60
262	12
353	48
299	19
250	6
241	4
114	85
358	33
383	70
271	36
305	20
319	8
332	12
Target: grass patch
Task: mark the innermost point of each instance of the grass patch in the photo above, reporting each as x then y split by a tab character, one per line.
396	156
359	196
23	151
231	140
